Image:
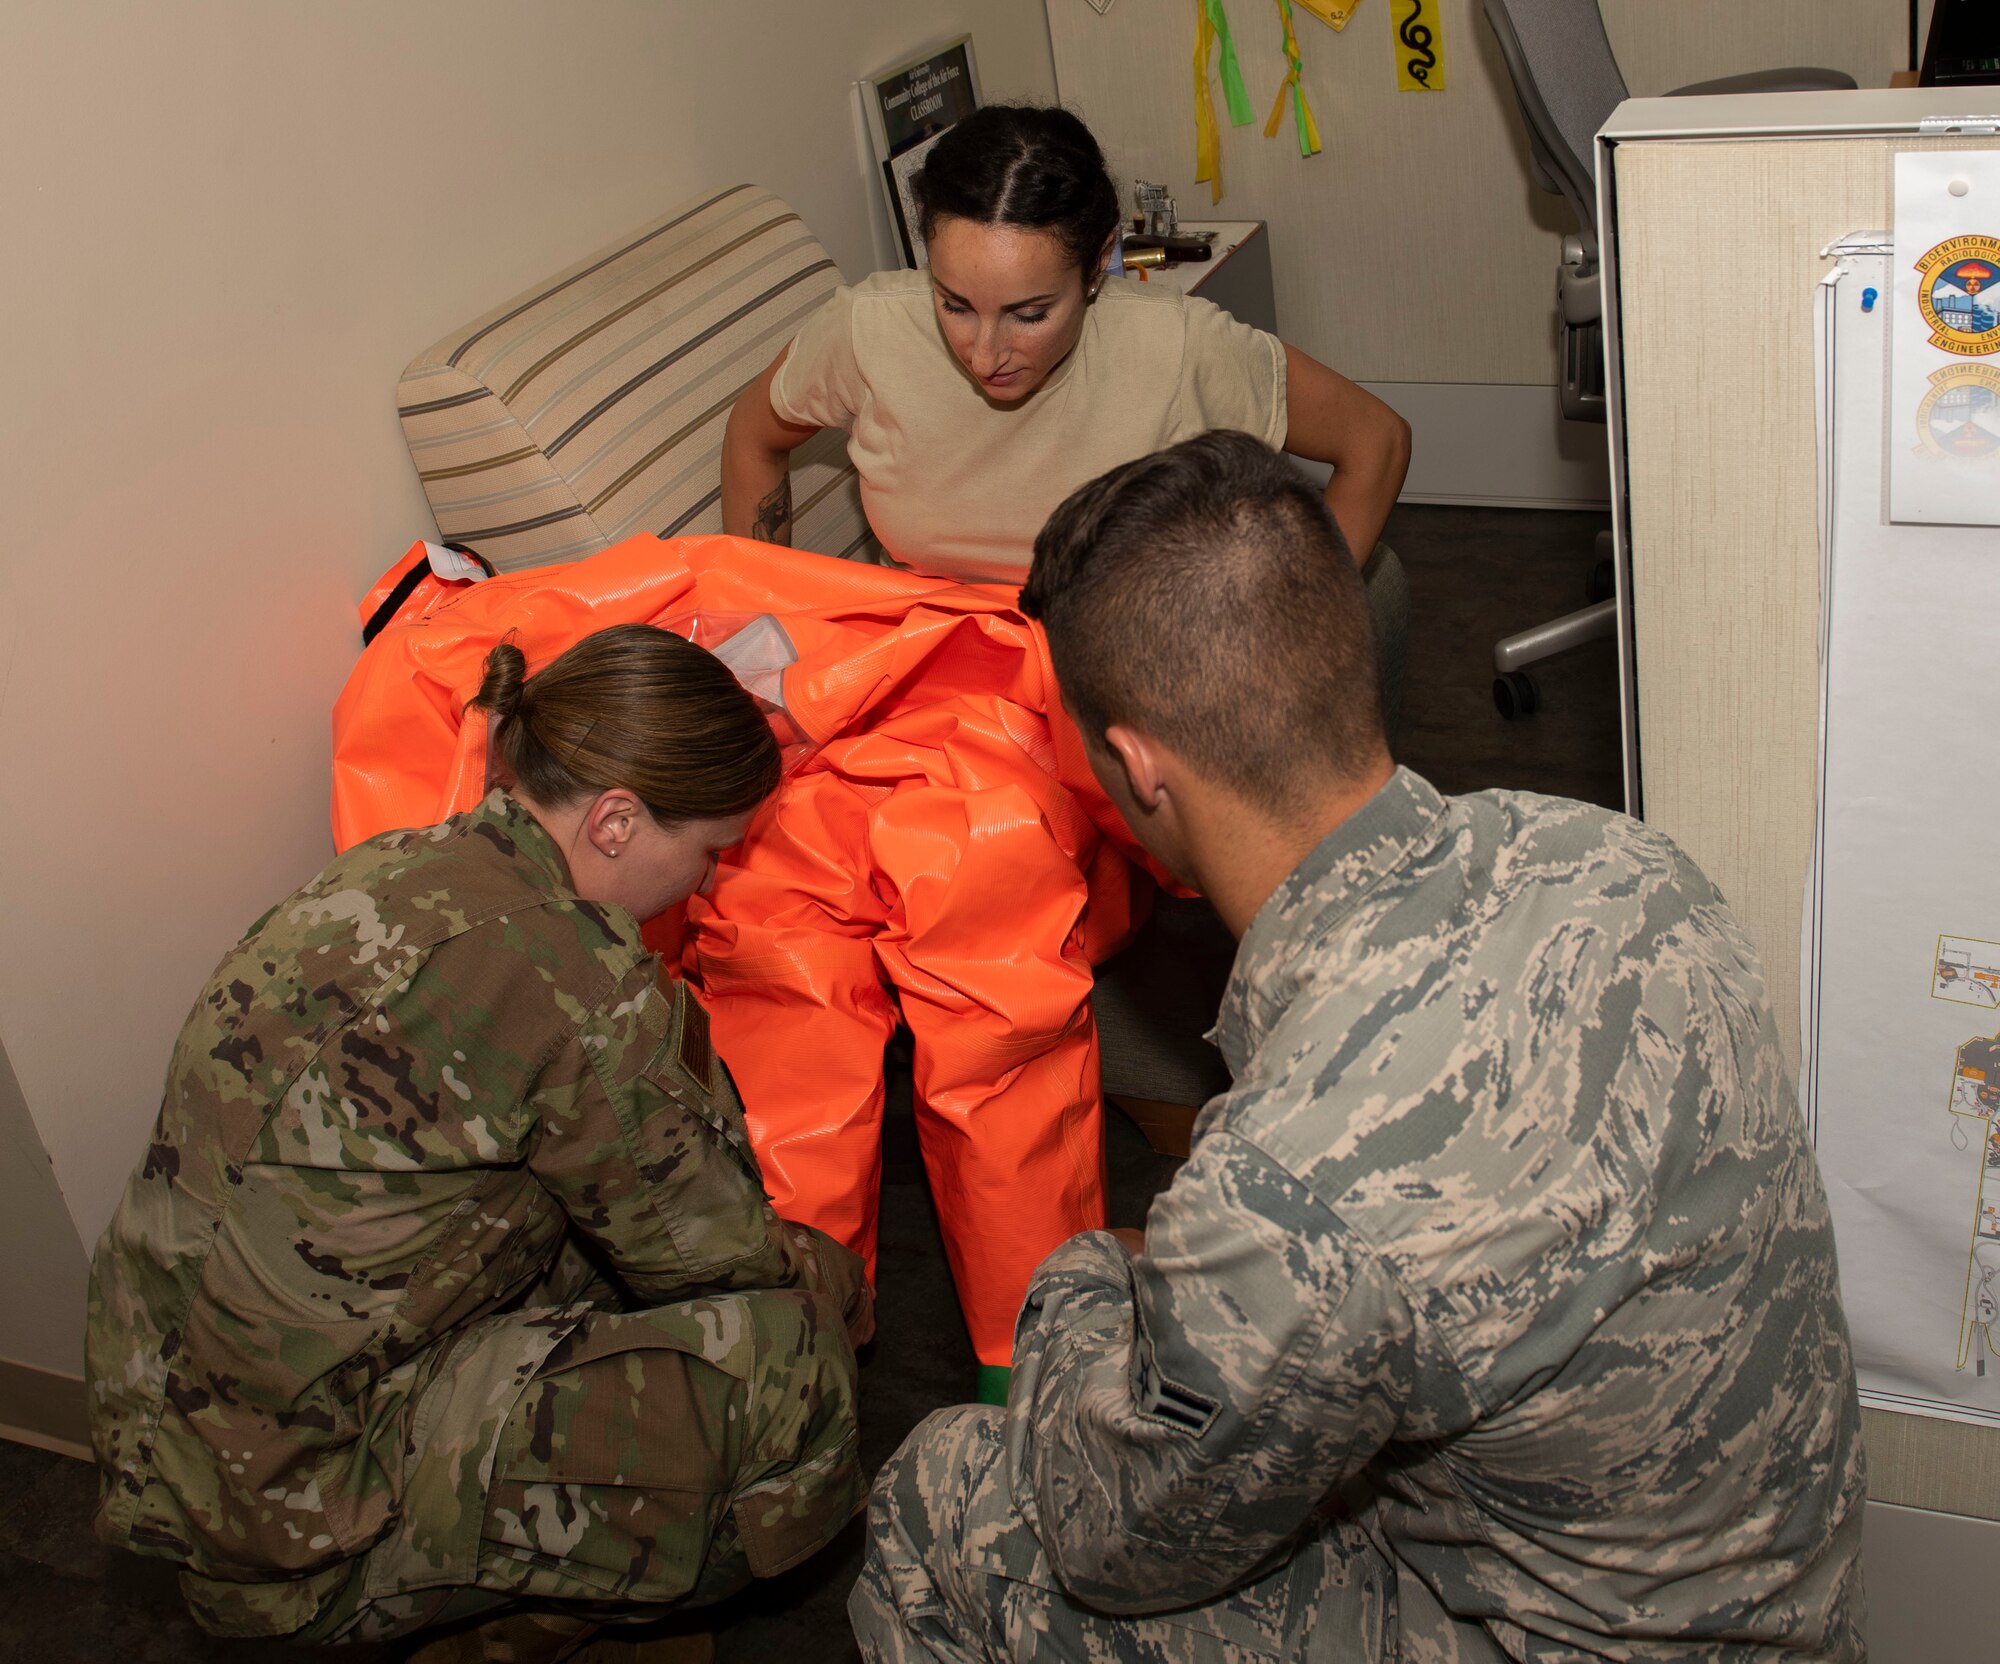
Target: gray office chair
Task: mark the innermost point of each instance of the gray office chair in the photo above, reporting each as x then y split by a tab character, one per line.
1567	83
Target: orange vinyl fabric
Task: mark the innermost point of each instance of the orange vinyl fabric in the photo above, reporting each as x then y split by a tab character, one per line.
942	851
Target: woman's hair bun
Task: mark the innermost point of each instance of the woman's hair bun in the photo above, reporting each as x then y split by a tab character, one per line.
500	688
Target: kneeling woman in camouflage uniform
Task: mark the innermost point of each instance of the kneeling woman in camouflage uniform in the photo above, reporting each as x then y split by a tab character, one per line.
448	1283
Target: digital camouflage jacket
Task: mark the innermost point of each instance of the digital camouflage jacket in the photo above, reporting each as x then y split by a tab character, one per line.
1510	1219
393	1101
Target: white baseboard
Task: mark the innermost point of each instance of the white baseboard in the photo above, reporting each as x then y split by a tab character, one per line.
44	1410
1498	446
45	1441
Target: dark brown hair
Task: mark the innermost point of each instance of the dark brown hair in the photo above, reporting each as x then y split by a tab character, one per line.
631	706
1204	596
1026	166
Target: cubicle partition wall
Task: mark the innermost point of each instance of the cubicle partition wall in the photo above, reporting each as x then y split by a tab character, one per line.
1716	210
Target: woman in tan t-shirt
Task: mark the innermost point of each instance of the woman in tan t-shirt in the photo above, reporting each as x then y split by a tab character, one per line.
979	394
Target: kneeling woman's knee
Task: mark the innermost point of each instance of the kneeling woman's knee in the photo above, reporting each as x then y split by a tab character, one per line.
790	1350
749	1398
799	1480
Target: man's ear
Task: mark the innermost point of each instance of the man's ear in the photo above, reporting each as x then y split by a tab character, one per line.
1143	762
610	822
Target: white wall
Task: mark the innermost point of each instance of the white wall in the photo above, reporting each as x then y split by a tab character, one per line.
229	223
1415	247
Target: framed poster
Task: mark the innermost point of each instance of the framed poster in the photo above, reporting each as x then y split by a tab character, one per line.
908	109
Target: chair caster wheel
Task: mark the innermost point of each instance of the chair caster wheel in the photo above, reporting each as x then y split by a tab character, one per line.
1513	695
1602	585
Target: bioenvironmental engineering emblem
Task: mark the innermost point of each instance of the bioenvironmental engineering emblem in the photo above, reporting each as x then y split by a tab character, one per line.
1958	291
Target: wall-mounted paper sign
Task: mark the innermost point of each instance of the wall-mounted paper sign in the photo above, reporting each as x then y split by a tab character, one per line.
908	109
1419	45
1944	398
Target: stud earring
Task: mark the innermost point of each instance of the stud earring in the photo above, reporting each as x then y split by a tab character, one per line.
611	855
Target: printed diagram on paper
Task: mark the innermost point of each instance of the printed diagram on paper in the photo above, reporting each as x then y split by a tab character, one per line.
1967	971
1975	1095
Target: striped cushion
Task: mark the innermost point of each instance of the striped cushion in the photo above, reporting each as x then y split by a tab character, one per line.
592	406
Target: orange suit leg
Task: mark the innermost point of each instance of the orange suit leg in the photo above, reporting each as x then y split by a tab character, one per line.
782	948
989	966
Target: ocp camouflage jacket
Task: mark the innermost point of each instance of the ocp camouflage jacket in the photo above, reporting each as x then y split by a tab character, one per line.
393	1100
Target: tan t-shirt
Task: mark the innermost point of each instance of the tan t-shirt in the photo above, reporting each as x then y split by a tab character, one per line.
958	488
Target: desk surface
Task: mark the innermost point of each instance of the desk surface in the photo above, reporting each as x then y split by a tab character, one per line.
1189	275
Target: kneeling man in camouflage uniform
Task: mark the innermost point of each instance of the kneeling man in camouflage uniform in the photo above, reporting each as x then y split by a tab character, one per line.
1494	1314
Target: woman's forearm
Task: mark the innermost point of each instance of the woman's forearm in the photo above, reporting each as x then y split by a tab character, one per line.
1364	488
757	494
1329	419
757	464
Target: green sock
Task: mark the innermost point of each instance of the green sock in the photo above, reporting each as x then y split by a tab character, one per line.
993	1379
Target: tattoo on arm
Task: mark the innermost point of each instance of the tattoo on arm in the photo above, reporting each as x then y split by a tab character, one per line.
773	521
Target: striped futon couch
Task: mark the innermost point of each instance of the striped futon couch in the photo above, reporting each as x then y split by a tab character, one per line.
592	406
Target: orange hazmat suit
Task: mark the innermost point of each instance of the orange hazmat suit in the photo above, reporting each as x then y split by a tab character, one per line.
942	851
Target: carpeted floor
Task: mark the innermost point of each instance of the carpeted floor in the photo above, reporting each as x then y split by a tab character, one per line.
1475	575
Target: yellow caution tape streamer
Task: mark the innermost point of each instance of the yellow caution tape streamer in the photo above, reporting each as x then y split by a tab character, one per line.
1213	25
1419	46
1308	127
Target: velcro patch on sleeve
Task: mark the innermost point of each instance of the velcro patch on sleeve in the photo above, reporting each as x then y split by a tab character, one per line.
697	1050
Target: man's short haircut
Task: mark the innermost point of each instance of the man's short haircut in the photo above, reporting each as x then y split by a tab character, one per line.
1204	596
